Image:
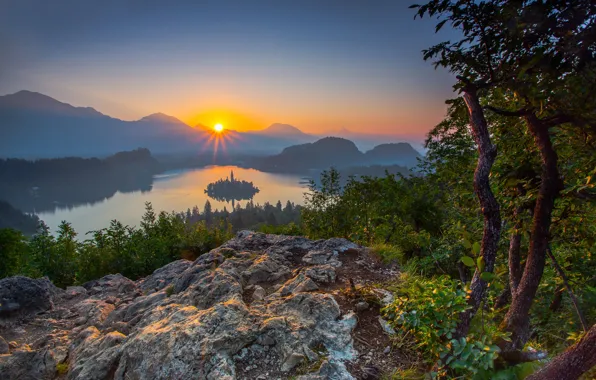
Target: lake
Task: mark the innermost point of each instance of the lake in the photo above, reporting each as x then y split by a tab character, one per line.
174	191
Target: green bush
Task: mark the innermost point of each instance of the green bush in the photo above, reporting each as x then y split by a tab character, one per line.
428	309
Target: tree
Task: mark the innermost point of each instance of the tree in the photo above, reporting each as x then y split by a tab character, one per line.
537	58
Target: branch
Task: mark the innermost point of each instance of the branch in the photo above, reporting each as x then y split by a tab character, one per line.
580	315
498	111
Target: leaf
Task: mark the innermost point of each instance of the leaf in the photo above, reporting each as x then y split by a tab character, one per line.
468	261
413	6
467	244
440	25
481	263
487	276
476	248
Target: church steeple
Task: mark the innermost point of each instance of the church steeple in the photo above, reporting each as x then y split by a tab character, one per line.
232	176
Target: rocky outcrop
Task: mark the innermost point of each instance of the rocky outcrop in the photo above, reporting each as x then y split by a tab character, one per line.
21	296
254	308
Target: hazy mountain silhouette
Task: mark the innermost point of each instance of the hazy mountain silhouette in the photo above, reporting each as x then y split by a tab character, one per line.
33	125
396	153
285	130
337	152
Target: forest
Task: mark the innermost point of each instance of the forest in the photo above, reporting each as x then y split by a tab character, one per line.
495	238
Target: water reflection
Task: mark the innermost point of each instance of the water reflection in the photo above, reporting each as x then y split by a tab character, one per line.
171	191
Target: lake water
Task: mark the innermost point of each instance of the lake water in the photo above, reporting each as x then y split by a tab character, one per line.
175	191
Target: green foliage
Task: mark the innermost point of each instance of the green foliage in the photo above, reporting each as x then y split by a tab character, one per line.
133	252
427	310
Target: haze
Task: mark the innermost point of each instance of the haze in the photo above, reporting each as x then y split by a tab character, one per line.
318	65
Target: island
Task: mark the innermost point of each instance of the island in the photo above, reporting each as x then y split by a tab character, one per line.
231	189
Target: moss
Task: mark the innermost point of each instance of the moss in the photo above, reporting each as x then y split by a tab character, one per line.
61	369
170	290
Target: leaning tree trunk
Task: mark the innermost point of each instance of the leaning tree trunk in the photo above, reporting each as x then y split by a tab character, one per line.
517	319
571	364
487	153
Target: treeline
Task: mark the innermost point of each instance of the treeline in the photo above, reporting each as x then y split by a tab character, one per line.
134	252
10	217
68	258
42	185
251	216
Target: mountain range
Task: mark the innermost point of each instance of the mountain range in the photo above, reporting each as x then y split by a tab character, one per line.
34	125
336	152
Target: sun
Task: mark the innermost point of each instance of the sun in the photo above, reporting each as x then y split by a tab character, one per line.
218	128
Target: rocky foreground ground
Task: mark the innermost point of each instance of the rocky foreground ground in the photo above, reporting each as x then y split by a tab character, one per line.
258	307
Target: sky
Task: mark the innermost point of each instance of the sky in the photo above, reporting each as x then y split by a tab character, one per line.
318	65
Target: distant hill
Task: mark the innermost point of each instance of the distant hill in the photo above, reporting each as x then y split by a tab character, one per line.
394	153
43	185
337	152
284	130
10	217
33	125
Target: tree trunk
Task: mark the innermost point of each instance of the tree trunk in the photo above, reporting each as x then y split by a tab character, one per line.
515	269
487	153
517	319
572	363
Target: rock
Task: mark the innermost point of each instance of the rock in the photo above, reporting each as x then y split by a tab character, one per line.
324	274
292	361
203	329
20	296
164	276
371	372
317	257
361	306
387	350
12	344
298	284
28	364
4	347
386	326
266	340
74	291
266	268
259	293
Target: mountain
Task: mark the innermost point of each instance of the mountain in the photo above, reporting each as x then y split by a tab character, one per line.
283	130
324	153
35	102
396	153
336	152
33	125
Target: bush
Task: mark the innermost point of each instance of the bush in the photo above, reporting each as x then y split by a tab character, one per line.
427	309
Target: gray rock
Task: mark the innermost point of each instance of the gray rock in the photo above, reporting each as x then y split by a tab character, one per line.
259	293
4	347
203	329
28	364
361	306
163	276
387	350
324	274
317	257
386	326
298	284
21	296
292	361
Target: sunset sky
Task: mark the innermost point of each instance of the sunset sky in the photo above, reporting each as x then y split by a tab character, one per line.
319	65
